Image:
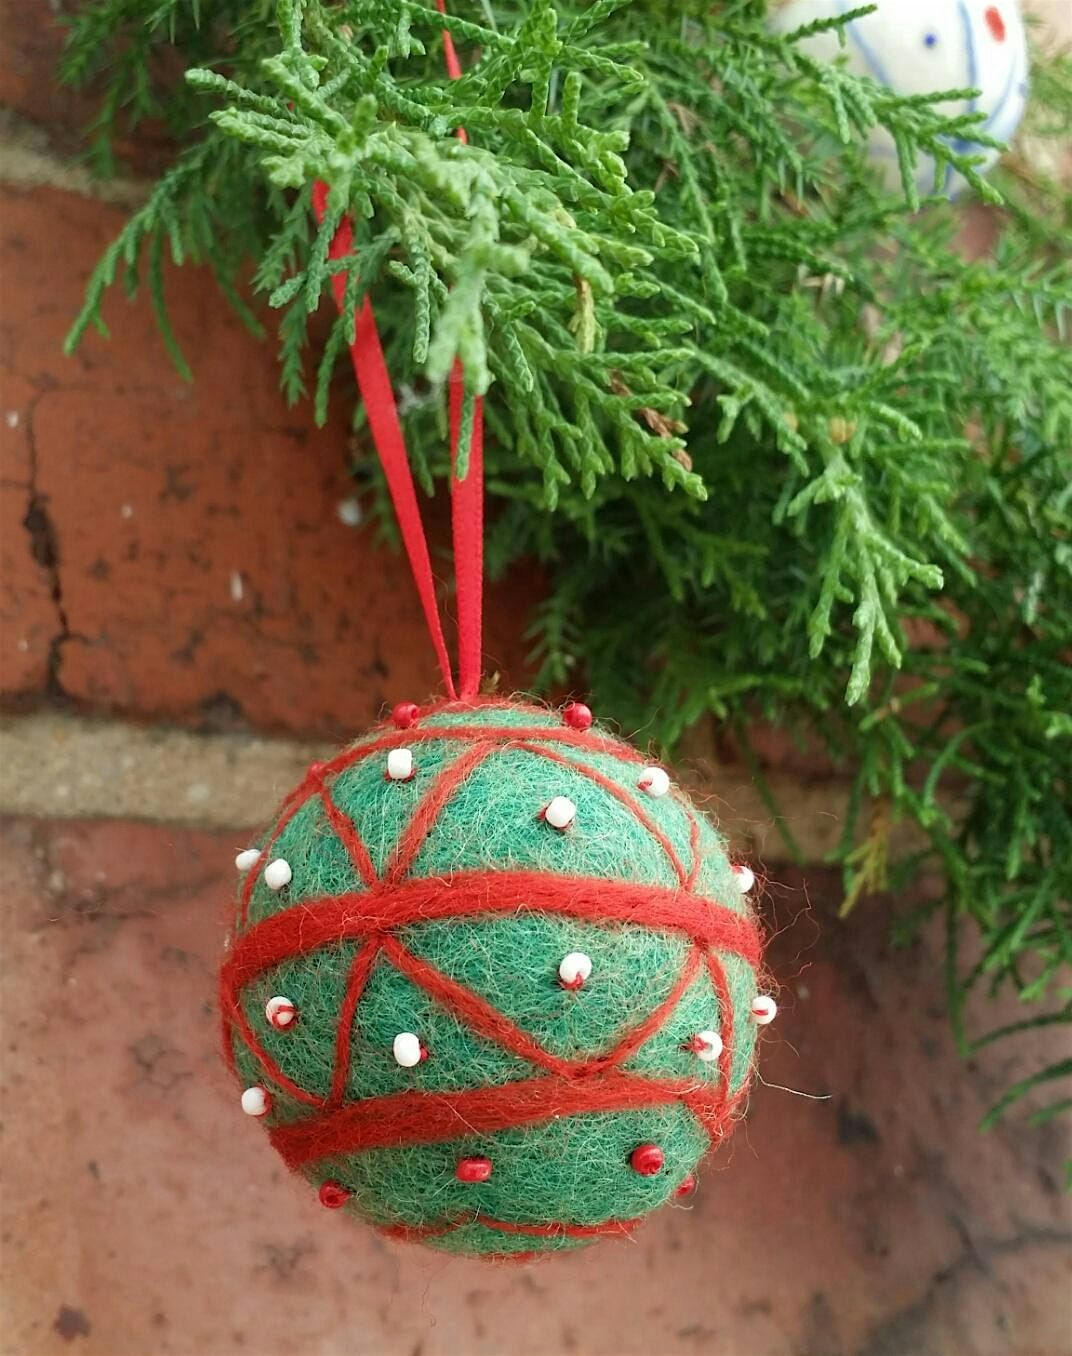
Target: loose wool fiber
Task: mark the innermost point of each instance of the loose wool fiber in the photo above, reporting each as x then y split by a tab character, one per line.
442	906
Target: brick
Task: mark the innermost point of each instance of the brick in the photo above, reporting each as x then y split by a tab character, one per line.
204	569
28	616
30	56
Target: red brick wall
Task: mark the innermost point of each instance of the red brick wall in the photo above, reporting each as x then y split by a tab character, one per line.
174	550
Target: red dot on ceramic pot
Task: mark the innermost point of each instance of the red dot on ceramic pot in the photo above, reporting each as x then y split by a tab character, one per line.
995	23
333	1195
473	1169
647	1159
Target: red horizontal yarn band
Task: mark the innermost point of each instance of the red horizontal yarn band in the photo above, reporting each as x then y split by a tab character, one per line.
320	922
414	1117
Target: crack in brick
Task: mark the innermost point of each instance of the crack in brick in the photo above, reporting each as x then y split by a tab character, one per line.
45	549
286	1261
95	901
158	1063
909	1327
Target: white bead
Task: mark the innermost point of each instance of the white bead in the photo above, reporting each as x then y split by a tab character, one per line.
560	813
407	1049
247	859
745	877
576	966
277	874
400	765
654	781
280	1011
764	1009
256	1102
712	1046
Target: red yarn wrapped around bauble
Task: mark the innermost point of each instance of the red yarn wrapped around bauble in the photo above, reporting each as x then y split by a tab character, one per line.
494	983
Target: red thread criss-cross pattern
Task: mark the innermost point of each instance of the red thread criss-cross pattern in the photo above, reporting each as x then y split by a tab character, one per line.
394	899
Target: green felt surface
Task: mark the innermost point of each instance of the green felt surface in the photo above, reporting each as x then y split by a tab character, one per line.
573	1169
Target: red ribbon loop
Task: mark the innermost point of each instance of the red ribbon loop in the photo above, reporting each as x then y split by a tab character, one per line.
467	495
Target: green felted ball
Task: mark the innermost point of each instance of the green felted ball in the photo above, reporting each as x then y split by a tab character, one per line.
493	981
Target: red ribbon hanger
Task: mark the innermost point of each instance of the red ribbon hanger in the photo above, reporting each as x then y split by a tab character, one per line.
467	493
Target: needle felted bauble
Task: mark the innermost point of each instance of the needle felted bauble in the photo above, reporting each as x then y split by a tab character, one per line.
924	46
493	981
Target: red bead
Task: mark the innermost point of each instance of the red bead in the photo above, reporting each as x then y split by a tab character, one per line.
687	1187
333	1195
473	1169
995	23
405	714
647	1159
578	716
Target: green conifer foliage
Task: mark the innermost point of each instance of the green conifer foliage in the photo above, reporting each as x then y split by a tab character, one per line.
755	414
